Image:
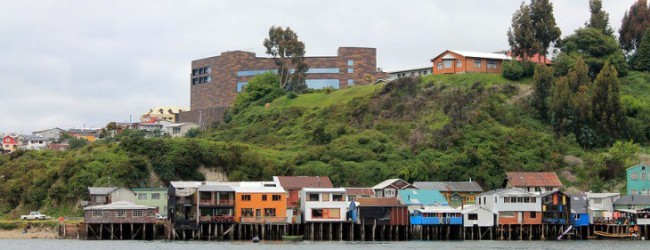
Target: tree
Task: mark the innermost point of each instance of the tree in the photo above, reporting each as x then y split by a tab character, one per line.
634	24
599	19
544	26
579	75
560	107
596	48
288	53
543	82
261	89
521	36
641	59
582	111
606	104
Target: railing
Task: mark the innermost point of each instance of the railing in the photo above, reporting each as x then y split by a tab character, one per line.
611	221
275	220
217	202
218	218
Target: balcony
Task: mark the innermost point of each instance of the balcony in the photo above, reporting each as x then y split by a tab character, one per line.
218	219
222	203
264	220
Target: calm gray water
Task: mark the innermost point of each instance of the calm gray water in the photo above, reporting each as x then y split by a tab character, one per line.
412	245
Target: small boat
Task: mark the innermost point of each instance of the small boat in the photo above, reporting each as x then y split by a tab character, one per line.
292	237
256	239
611	235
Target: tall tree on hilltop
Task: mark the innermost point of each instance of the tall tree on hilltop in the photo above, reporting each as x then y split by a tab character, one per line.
521	36
635	22
579	75
543	82
606	104
288	53
544	26
599	18
584	119
641	59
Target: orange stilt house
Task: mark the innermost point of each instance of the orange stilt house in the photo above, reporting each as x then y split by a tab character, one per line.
257	202
458	61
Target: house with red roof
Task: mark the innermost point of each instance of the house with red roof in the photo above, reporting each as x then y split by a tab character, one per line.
293	185
9	143
535	182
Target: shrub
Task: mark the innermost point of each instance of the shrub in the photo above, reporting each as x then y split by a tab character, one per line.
512	70
292	95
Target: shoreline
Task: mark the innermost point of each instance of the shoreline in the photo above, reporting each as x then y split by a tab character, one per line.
34	233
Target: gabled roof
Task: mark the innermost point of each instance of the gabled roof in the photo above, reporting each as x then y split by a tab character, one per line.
300	182
507	191
378	202
633	200
359	191
601	195
579	204
533	179
390	182
216	188
449	186
638	165
101	190
497	56
119	205
422	197
324	190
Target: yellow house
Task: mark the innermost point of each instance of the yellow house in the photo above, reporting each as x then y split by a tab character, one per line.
163	113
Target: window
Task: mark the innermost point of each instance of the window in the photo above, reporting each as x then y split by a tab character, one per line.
269	212
97	213
520	199
176	130
526	200
533	199
337	197
350	82
472	216
477	63
263	197
246	212
333	213
317	213
246	197
598	201
155	196
142	196
459	63
350	70
322	83
506	199
439	66
538	189
484	200
350	62
255	72
313	197
492	64
389	193
470	198
137	213
507	214
323	71
326	197
276	197
240	86
447	63
120	213
533	215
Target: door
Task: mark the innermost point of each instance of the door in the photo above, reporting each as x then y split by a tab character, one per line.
258	212
520	217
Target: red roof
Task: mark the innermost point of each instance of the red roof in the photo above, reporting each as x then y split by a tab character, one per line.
359	191
300	182
378	202
533	179
536	58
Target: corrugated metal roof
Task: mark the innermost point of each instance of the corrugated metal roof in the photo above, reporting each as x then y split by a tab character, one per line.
216	188
449	186
533	179
101	190
579	204
633	200
498	56
422	197
322	190
378	202
602	195
359	191
119	205
300	182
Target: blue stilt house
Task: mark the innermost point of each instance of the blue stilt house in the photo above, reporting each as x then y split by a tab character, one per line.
579	211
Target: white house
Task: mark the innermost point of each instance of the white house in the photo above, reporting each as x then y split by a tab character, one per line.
601	205
160	128
474	215
323	204
410	73
52	134
512	206
32	142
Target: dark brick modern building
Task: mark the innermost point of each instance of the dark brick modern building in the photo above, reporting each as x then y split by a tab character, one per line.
215	81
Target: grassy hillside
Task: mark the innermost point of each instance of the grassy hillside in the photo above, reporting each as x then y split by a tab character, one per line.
450	127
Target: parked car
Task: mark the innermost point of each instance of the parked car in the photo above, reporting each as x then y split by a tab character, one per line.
35	215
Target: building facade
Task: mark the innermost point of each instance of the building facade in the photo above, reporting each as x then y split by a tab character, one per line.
456	61
389	188
9	143
638	179
534	182
457	194
152	197
512	206
260	205
324	204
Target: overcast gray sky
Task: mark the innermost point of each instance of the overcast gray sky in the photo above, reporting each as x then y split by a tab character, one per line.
74	63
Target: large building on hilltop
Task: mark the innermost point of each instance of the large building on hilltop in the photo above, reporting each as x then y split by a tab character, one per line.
215	81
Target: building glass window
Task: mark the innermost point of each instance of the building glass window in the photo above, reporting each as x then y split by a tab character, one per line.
246	212
317	213
97	213
142	196
350	70
447	63
389	193
459	63
155	196
472	216
492	64
439	66
120	213
263	197
276	197
350	82
322	83
337	197
269	212
137	213
246	197
240	86
313	197
533	215
323	71
255	72
477	63
350	62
